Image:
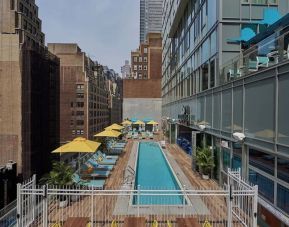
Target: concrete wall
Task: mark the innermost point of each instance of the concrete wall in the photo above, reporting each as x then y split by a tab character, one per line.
142	108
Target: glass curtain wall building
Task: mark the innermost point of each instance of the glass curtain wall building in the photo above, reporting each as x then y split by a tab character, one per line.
226	87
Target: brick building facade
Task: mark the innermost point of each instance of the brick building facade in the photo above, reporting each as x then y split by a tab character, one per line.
29	90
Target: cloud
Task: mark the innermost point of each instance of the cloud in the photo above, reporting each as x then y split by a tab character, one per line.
106	29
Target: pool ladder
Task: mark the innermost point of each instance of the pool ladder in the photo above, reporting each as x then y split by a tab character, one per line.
129	175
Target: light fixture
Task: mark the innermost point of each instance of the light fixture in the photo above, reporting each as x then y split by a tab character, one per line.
239	136
202	127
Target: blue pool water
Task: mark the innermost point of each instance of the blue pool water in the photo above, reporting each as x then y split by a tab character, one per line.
153	172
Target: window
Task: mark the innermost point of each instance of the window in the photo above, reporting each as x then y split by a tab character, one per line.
135	67
77	132
80	104
262	161
73	132
135	59
145	50
140	59
71	104
79	113
81	132
80	86
283	169
283	198
145	67
265	185
140	67
145	59
226	159
79	95
140	76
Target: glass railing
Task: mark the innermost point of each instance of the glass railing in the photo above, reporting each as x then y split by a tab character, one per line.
270	51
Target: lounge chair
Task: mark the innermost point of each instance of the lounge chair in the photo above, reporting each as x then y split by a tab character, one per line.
92	183
135	135
262	61
169	223
155	223
98	166
115	151
163	144
107	157
92	172
151	135
103	161
129	135
143	135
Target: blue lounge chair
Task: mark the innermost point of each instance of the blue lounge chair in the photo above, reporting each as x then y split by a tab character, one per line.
262	61
98	166
107	157
91	183
103	161
95	172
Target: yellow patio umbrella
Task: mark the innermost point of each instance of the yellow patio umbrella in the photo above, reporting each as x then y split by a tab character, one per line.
126	122
139	123
108	133
78	145
152	123
114	127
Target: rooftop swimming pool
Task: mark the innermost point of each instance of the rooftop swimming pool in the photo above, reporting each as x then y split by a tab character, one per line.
153	172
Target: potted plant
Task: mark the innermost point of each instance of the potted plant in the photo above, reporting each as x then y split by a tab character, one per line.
60	175
205	161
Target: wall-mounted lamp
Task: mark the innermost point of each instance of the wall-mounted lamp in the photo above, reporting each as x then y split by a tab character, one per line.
239	136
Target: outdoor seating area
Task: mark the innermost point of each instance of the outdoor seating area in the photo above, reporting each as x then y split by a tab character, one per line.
137	129
94	163
185	144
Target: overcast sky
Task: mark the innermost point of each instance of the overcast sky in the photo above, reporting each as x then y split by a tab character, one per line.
107	30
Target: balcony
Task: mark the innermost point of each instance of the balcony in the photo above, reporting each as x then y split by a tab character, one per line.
265	53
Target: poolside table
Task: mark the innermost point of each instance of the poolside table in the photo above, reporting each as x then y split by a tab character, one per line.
187	222
76	221
134	222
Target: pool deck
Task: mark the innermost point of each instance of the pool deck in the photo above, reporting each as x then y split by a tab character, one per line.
117	206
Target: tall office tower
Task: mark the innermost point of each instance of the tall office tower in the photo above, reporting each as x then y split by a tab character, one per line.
125	70
29	90
150	17
225	87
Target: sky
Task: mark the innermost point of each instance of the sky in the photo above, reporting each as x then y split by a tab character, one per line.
107	30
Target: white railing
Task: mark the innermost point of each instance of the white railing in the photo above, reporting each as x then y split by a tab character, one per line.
233	205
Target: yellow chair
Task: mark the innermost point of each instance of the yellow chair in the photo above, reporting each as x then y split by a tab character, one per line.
113	223
169	223
155	223
88	224
207	224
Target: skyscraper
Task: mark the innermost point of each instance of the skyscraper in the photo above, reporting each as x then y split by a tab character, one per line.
150	17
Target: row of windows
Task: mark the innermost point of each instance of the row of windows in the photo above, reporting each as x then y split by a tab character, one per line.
77	132
139	59
139	67
262	2
77	104
78	122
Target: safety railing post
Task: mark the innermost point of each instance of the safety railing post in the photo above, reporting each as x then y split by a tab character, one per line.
19	213
184	199
229	205
255	205
138	199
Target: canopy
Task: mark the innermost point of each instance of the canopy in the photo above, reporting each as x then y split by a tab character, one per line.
108	133
126	122
139	123
152	123
114	127
78	145
270	16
